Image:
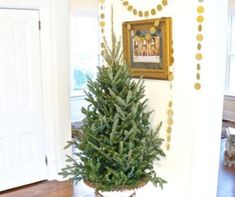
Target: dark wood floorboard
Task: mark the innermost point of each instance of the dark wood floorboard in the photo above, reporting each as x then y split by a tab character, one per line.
42	189
226	178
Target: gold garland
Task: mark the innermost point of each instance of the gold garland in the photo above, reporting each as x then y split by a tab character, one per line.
102	22
144	13
153	12
199	39
141	13
170	112
102	16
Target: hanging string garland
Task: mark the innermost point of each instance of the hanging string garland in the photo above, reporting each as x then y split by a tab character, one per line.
102	22
199	39
102	16
170	112
141	13
144	13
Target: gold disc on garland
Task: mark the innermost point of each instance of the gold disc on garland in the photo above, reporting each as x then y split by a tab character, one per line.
153	12
200	19
159	7
197	86
200	28
199	56
164	2
169	129
145	13
200	9
198	66
140	13
135	11
130	7
198	76
199	37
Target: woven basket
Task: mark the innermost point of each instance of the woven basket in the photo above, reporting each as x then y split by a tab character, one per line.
120	191
87	189
126	193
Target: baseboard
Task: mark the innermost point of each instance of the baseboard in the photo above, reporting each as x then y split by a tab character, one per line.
228	115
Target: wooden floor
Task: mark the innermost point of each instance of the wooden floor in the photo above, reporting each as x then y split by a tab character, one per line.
226	177
42	189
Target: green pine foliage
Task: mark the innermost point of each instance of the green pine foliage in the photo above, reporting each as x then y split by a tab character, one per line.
118	146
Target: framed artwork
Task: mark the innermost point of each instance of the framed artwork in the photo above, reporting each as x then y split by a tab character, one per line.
147	47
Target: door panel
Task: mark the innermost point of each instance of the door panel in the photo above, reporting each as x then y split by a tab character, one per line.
22	150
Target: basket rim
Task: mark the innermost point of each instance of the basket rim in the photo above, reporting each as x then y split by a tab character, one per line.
139	184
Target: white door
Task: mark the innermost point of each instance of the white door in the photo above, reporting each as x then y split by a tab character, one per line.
22	150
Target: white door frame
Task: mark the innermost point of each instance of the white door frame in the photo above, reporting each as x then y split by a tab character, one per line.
55	77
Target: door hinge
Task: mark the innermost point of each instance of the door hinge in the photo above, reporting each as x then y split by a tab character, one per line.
46	161
39	25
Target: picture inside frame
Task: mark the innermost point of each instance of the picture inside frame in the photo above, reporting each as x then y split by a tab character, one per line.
147	47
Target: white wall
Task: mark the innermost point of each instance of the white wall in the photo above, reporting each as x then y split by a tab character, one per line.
208	103
198	114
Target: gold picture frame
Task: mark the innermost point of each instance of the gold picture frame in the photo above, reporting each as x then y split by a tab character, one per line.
147	47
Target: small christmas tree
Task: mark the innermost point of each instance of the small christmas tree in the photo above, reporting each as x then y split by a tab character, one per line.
118	146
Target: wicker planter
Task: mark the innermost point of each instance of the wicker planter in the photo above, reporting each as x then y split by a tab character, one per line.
125	193
86	189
